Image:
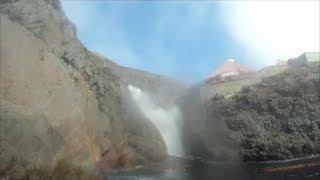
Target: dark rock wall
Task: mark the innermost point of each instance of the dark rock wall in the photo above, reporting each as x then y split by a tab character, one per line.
62	111
278	118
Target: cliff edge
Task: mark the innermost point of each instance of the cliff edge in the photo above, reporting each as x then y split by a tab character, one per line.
63	114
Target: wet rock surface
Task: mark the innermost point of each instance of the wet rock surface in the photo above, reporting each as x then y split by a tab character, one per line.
275	119
66	113
62	110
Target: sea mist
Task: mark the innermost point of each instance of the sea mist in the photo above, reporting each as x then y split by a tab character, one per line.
167	121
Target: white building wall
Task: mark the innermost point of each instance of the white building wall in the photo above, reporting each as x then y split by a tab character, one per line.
308	57
231	73
312	56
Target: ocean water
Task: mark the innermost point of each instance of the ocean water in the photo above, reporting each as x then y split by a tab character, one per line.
190	168
178	167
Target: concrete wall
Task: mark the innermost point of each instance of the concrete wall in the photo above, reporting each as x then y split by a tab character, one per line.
308	57
312	56
232	73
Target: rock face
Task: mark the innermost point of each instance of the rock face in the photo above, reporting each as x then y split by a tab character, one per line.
62	113
163	90
228	88
275	119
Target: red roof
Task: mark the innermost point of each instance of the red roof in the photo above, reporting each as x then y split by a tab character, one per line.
229	66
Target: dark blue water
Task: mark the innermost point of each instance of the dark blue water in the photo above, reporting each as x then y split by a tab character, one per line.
198	169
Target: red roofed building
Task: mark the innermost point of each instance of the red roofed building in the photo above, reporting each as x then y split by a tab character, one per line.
227	70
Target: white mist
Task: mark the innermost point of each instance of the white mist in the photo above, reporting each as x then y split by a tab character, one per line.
166	120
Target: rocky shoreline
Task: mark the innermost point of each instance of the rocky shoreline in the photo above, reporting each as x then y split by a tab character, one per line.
66	112
275	119
197	168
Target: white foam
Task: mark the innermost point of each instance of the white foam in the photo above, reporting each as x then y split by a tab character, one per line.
166	120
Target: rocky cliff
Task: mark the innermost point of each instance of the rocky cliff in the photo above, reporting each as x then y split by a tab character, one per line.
274	118
163	90
62	113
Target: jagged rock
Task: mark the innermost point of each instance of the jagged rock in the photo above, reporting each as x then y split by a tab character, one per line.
163	90
61	111
274	119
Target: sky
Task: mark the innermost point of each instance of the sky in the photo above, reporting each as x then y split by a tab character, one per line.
188	40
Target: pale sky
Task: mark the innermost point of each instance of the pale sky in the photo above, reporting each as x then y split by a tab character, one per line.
188	40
